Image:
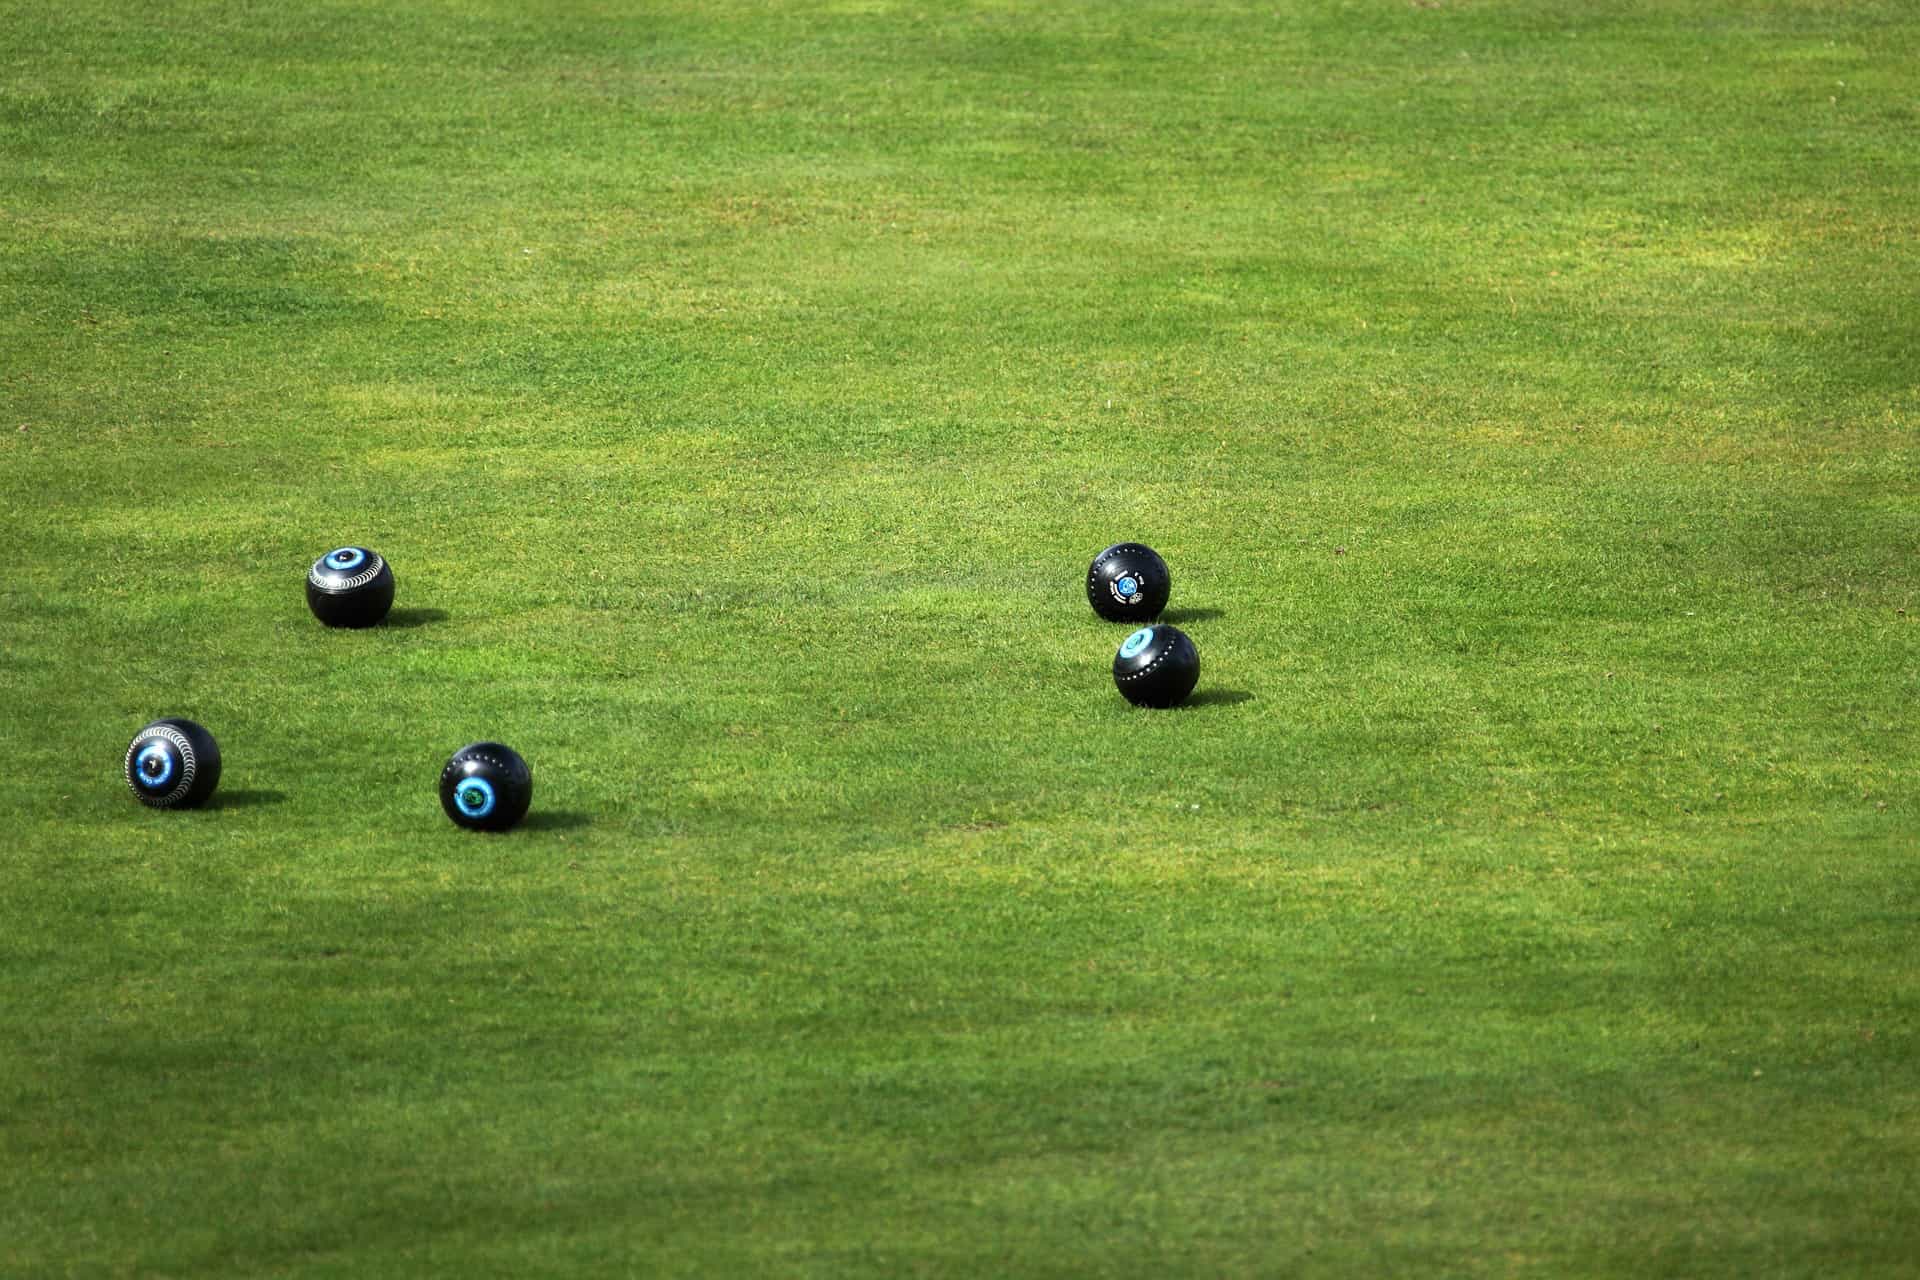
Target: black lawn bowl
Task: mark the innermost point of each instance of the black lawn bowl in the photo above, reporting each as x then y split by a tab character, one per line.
173	764
486	787
1128	582
350	587
1156	666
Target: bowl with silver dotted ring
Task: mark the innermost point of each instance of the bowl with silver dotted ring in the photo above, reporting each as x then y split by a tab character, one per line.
486	786
1128	582
1156	666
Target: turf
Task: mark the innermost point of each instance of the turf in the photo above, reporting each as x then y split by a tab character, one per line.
1524	395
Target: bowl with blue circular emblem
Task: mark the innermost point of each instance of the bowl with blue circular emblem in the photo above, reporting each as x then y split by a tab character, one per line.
486	786
350	587
172	764
1156	666
1128	582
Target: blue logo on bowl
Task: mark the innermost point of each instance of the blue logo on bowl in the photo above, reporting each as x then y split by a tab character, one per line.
475	797
346	558
1133	644
153	768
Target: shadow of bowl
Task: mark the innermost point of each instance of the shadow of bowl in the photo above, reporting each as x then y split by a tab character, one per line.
1217	698
245	798
555	820
406	618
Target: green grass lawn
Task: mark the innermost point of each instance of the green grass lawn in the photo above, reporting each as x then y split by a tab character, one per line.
1525	396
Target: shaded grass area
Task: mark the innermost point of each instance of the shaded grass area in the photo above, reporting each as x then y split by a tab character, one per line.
1130	1053
1523	398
